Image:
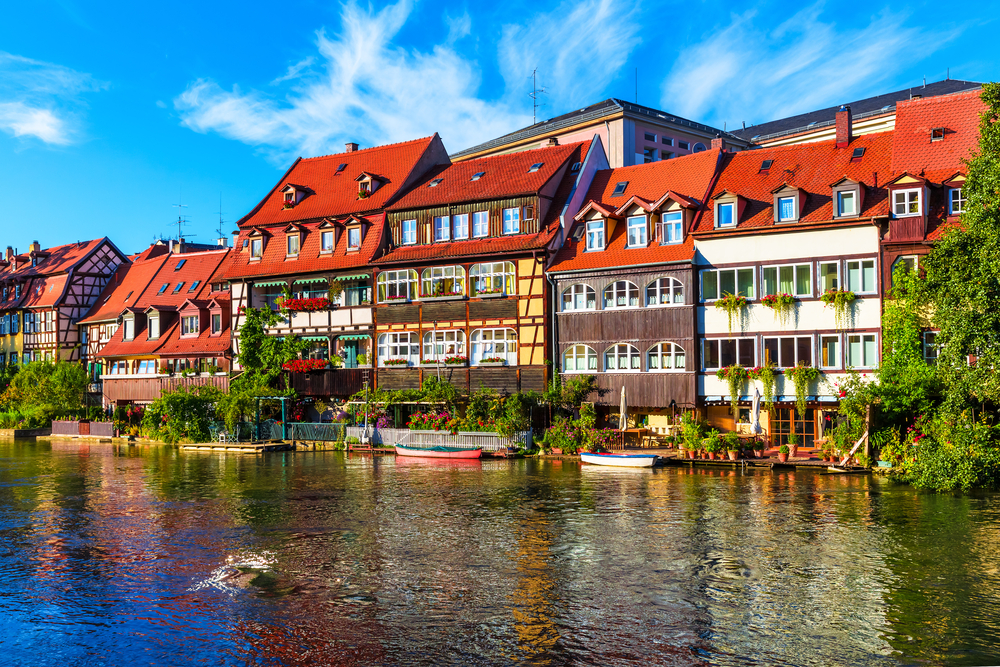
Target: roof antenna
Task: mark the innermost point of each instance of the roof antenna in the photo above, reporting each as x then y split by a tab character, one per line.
947	77
219	230
636	85
181	222
925	82
535	92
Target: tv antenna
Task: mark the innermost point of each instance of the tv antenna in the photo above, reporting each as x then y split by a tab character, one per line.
181	219
221	222
535	92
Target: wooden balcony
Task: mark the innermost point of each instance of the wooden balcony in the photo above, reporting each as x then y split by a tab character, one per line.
147	388
339	382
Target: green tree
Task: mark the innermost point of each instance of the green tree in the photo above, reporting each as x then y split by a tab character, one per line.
261	355
47	390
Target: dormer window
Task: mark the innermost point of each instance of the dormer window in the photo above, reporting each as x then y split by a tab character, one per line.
189	325
637	231
293	245
326	241
511	220
256	248
937	134
906	202
956	201
290	197
367	184
847	204
595	235
34	261
619	189
354	238
786	209
128	324
671	228
153	327
409	232
535	167
725	214
442	228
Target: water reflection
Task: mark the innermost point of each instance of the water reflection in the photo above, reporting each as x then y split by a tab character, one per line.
147	555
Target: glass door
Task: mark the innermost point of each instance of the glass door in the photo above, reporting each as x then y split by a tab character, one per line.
781	427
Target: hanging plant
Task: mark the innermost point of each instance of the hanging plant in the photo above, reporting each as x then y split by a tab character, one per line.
766	376
802	377
735	376
733	304
841	301
781	304
336	288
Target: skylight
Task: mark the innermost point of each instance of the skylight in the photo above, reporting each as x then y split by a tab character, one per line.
535	167
180	264
164	288
766	164
194	286
435	183
576	167
476	176
937	133
178	288
340	168
620	189
129	296
858	153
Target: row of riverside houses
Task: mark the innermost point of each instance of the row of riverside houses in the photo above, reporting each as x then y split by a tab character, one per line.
520	260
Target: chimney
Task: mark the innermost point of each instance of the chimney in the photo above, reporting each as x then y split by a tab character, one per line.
552	142
223	242
844	136
35	247
10	253
351	147
718	143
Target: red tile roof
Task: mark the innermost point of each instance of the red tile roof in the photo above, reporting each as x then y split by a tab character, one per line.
912	148
336	193
503	176
126	286
43	285
689	177
813	167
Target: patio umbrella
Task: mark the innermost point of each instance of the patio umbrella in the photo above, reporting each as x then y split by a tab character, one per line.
755	412
623	412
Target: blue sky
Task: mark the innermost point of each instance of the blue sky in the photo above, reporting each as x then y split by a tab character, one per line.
110	113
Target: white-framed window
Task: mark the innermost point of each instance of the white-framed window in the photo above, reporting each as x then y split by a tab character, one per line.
906	202
50	320
829	351
794	279
216	322
397	285
579	297
292	241
828	275
930	347
403	345
511	220
354	238
128	321
911	262
721	352
481	224
493	343
862	350
716	283
622	357
671	228
725	214
579	359
595	235
786	209
956	201
153	327
326	241
847	203
621	294
861	276
256	247
637	231
442	228
665	292
189	325
443	281
409	232
788	351
460	224
665	357
441	344
493	278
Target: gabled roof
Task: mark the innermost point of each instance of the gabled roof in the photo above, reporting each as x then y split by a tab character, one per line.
503	176
335	192
812	167
914	151
43	285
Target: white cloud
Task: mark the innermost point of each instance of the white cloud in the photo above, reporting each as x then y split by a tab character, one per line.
578	48
747	72
365	89
38	99
458	27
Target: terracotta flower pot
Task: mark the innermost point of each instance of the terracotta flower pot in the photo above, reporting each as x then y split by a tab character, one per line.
782	457
733	455
793	450
758	453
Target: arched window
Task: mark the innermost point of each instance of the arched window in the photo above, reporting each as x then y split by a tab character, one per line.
622	357
398	349
397	285
621	294
665	357
579	297
494	345
664	291
579	359
442	344
443	281
493	278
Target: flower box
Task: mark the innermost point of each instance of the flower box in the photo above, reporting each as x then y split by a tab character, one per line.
443	297
307	305
396	299
395	362
491	364
488	295
304	365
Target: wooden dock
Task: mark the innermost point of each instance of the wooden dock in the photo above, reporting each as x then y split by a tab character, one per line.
240	447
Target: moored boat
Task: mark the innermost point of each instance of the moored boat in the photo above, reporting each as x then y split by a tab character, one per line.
622	460
440	452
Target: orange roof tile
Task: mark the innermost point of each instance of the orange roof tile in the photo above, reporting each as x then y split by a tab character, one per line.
44	284
912	147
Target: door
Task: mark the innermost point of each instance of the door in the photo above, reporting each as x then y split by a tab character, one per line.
350	354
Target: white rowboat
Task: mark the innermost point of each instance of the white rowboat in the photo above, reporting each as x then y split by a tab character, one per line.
621	460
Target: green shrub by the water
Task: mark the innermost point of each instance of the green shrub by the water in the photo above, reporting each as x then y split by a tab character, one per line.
957	457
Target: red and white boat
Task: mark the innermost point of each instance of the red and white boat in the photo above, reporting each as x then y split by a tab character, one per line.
439	452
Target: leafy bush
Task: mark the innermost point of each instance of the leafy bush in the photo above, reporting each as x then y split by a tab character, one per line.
957	456
182	414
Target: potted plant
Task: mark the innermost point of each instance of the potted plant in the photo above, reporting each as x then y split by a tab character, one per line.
712	444
781	304
334	291
783	453
734	305
732	441
491	361
456	360
336	361
165	369
363	360
841	301
793	443
758	447
395	362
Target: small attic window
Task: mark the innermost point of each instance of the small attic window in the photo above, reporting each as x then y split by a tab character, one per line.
937	134
535	167
290	197
180	265
619	189
341	167
576	167
127	297
436	182
476	176
766	164
858	153
178	288
163	288
194	286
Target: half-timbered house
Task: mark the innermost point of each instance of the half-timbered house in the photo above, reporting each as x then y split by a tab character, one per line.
460	290
45	293
800	221
307	246
626	289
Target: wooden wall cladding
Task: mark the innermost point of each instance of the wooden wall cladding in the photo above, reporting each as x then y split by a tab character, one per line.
444	312
533	378
406	378
642	324
645	390
397	314
494	309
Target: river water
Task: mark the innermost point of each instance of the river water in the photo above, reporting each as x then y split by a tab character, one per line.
146	555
